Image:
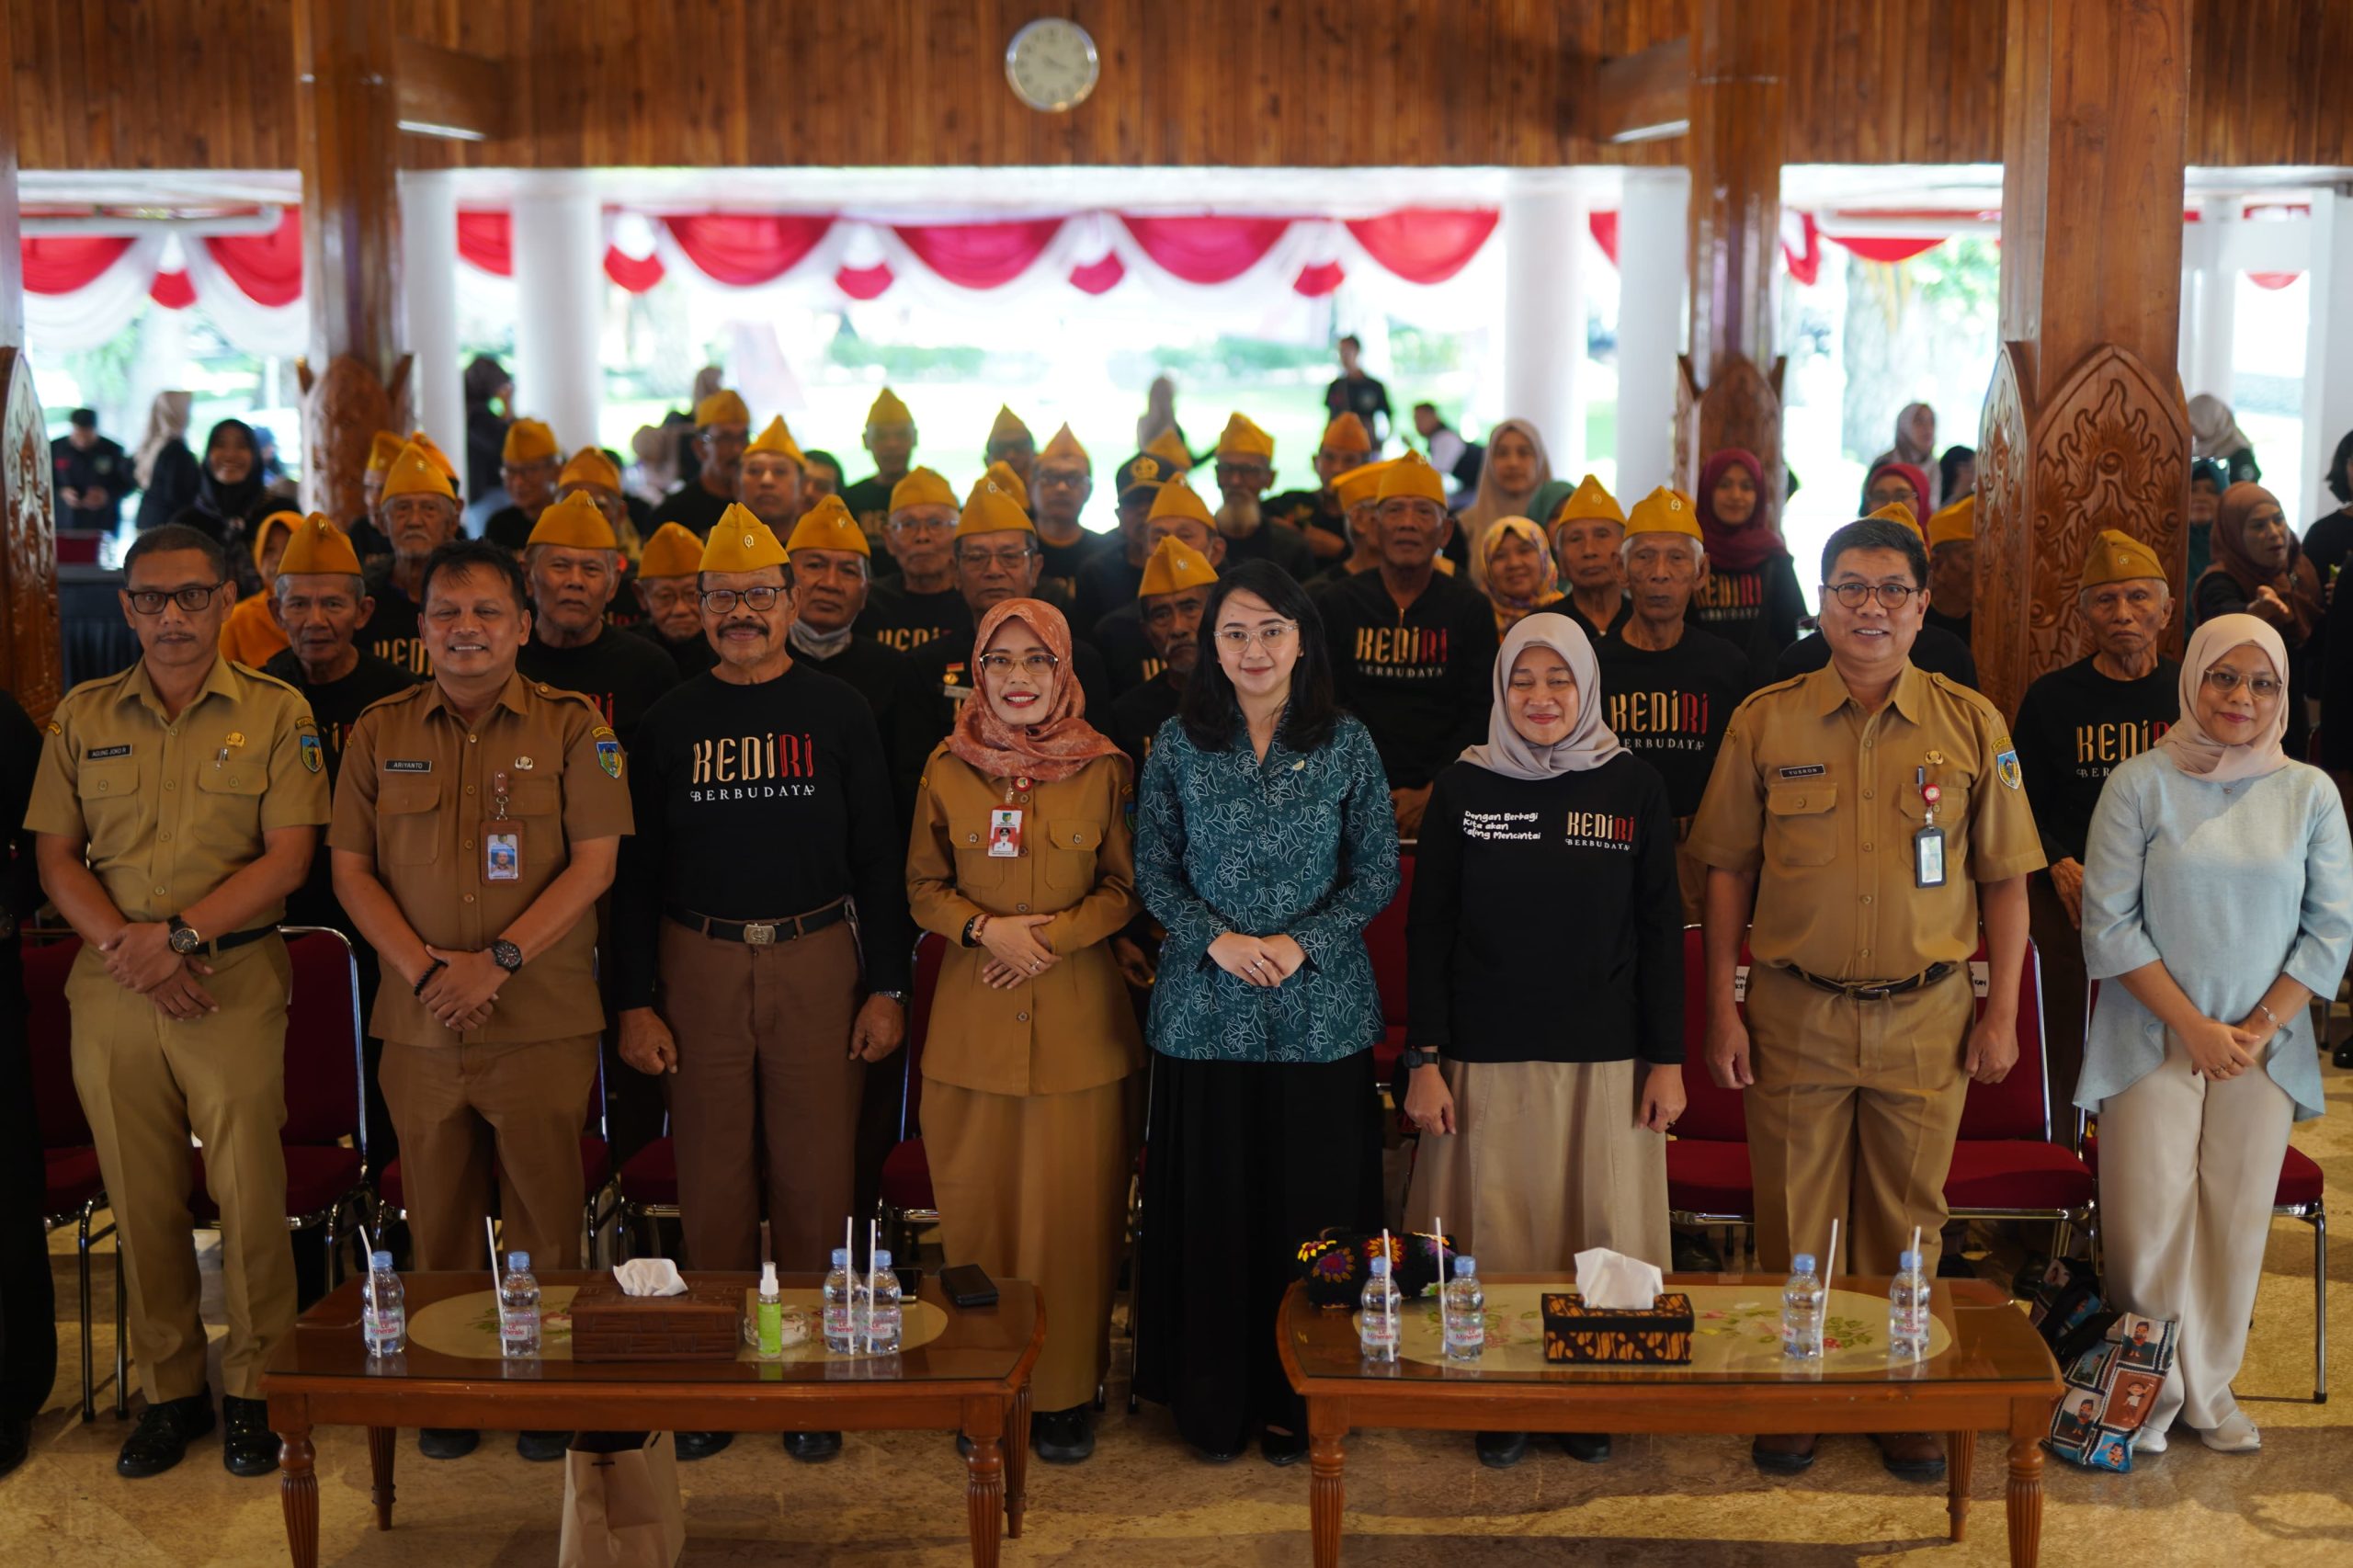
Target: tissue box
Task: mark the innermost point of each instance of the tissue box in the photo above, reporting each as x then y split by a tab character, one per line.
1659	1335
701	1325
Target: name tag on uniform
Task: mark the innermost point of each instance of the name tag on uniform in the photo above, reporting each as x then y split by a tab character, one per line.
1004	833
1810	770
102	753
1928	858
397	764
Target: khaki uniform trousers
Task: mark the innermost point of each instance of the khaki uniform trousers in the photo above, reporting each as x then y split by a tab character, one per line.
458	1107
146	1081
765	1101
2188	1169
1852	1117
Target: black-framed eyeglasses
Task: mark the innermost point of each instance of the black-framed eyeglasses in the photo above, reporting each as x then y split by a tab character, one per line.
719	601
1240	474
1854	596
1038	666
193	598
2228	681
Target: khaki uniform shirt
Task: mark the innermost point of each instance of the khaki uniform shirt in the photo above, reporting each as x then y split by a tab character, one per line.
1823	801
1072	1028
171	807
419	797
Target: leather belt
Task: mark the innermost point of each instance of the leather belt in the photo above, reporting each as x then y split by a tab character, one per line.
237	939
1879	990
760	933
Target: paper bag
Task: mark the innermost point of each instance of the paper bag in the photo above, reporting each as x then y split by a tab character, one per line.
623	1510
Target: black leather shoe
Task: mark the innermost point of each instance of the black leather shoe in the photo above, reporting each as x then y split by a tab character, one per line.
1952	1266
1281	1449
1500	1450
2343	1055
247	1445
447	1442
1782	1453
692	1446
812	1448
542	1448
15	1443
1912	1456
1061	1437
1586	1448
162	1436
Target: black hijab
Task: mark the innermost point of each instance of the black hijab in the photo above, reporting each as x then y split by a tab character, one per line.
230	503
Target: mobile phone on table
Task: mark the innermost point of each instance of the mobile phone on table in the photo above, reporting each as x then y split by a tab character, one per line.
967	1285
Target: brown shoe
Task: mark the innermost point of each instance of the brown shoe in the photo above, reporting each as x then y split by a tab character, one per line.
1783	1453
1912	1456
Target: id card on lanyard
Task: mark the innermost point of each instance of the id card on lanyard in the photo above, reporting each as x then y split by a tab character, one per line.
1928	843
502	840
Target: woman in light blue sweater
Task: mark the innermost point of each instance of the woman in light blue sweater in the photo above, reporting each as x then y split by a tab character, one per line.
2217	900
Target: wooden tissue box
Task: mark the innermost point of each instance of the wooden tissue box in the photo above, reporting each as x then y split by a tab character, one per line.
1658	1335
703	1324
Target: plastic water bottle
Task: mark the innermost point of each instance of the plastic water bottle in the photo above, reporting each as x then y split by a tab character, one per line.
1466	1312
1377	1322
842	1293
1802	1302
882	1309
383	1312
1907	1311
518	1309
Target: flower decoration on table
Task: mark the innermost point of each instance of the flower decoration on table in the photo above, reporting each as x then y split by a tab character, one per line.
1334	1266
1420	1269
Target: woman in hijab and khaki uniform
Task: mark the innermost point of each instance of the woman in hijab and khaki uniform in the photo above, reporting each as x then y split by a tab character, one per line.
1544	954
1023	858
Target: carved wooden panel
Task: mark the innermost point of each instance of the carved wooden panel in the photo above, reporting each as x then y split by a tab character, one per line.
2005	546
1742	407
30	657
342	410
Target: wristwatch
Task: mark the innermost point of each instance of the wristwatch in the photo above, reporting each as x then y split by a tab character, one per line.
1414	1056
184	939
506	956
898	996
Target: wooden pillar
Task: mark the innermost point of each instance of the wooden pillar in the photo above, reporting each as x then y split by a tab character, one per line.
2084	425
30	657
1730	393
347	120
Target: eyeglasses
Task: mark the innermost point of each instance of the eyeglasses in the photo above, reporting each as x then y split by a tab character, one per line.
1038	666
1238	473
1854	596
2228	681
1272	638
150	601
719	601
1004	560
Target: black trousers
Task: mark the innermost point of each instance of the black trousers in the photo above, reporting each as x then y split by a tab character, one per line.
2060	945
1243	1162
28	1296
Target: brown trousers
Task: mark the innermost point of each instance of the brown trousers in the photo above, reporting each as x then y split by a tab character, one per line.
765	1098
146	1082
458	1107
1852	1117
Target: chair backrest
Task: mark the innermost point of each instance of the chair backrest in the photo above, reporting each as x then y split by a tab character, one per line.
327	1074
49	1025
1709	1112
2019	1107
930	949
1384	940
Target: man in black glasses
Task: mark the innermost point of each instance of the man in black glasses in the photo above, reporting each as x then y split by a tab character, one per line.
766	823
1936	650
178	806
1868	812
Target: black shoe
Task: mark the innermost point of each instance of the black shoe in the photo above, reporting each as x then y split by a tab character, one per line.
447	1442
1783	1454
2343	1055
15	1443
1953	1266
812	1448
1912	1456
1586	1448
692	1446
1281	1449
1061	1437
247	1445
164	1434
1500	1450
542	1448
964	1447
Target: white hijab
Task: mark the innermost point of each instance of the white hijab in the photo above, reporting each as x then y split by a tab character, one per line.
1589	742
2195	751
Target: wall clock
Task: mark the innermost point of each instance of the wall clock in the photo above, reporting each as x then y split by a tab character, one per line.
1051	64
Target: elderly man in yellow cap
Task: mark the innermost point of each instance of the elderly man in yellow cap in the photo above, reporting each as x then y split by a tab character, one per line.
1356	492
368	538
722	428
1121	636
1668	686
1413	648
922	601
830	558
528	465
591	471
1952	566
765	827
1246	468
767	482
418	508
2075	724
1176	590
1011	443
1588	532
574	565
666	591
1061	480
1108	583
890	439
1316	511
1935	650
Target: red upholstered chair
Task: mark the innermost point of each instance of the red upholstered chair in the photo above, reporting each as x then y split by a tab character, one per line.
1385	939
76	1192
648	1186
1707	1180
2005	1163
2301	1195
906	1200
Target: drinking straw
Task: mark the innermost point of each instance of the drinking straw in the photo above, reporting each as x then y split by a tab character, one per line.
489	1235
1438	1225
1915	1240
873	1278
1832	1267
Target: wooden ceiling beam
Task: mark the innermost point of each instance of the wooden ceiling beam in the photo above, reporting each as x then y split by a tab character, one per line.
1642	97
441	92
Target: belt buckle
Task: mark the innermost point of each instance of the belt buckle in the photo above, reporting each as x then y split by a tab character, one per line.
1873	993
759	934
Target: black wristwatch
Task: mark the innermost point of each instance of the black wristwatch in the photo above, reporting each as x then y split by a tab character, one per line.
184	939
506	956
1414	1056
967	938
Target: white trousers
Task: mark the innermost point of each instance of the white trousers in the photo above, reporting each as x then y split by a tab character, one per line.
2188	1170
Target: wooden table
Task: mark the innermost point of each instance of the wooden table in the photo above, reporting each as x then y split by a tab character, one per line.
1995	1373
973	1379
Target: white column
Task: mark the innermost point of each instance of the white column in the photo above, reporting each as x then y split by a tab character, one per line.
1653	219
1544	243
2328	348
430	287
2209	366
559	303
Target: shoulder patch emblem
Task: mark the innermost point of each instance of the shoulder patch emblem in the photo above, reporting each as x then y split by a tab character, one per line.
2005	768
609	752
313	757
55	728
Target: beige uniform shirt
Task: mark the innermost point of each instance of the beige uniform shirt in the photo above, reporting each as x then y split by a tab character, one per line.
171	807
1823	801
420	797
